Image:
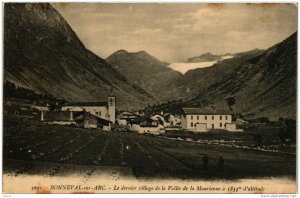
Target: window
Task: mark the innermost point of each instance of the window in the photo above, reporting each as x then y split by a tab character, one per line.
212	117
192	124
220	117
197	117
99	113
221	124
212	126
225	117
205	117
191	117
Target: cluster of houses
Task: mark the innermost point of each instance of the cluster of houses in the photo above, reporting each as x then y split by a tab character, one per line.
103	115
192	119
91	115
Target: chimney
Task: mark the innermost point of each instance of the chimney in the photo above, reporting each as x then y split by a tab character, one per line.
42	115
71	115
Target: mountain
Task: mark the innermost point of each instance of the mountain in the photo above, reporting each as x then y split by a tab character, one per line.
197	80
263	86
43	53
207	57
148	72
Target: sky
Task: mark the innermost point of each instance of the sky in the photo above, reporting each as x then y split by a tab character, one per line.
175	32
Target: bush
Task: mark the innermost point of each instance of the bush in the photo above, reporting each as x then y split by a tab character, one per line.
287	132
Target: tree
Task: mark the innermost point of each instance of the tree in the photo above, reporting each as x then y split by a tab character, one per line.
230	102
287	132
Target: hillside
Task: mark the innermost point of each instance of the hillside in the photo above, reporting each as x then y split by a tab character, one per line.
197	80
42	53
148	72
265	85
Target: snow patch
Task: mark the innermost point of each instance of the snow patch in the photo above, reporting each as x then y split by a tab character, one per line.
185	67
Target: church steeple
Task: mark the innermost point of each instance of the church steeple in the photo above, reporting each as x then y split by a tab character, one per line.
112	108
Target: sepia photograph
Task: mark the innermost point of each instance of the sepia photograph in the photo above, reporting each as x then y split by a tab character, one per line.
149	98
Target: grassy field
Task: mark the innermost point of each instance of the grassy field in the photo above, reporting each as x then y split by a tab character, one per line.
26	143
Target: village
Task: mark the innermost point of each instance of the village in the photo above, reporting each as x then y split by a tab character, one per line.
105	116
162	140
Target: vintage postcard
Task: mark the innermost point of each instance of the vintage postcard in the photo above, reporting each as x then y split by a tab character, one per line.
149	98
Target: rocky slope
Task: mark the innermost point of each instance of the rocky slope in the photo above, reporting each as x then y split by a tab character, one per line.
42	52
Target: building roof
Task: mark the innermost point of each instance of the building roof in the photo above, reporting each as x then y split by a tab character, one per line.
91	104
57	116
77	117
87	115
138	120
144	122
205	111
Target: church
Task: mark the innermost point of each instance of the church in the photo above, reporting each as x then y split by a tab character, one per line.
104	110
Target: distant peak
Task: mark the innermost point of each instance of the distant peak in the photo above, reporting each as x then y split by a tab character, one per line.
121	52
142	52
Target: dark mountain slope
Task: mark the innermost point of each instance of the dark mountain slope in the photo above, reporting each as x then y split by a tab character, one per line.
42	52
148	72
197	80
263	86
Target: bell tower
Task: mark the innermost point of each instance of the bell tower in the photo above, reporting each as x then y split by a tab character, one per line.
112	108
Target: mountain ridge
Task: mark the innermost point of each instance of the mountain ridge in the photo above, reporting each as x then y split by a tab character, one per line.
145	70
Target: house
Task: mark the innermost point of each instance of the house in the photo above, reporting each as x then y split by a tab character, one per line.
124	117
205	119
161	119
104	110
79	119
146	125
40	106
58	117
173	119
90	121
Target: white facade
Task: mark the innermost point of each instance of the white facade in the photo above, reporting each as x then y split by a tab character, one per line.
202	120
212	121
142	129
174	120
99	111
161	118
201	127
62	122
122	122
232	127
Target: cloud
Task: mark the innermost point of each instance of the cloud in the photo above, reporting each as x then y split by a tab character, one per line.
175	32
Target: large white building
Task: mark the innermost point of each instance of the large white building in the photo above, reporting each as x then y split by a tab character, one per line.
206	119
104	110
